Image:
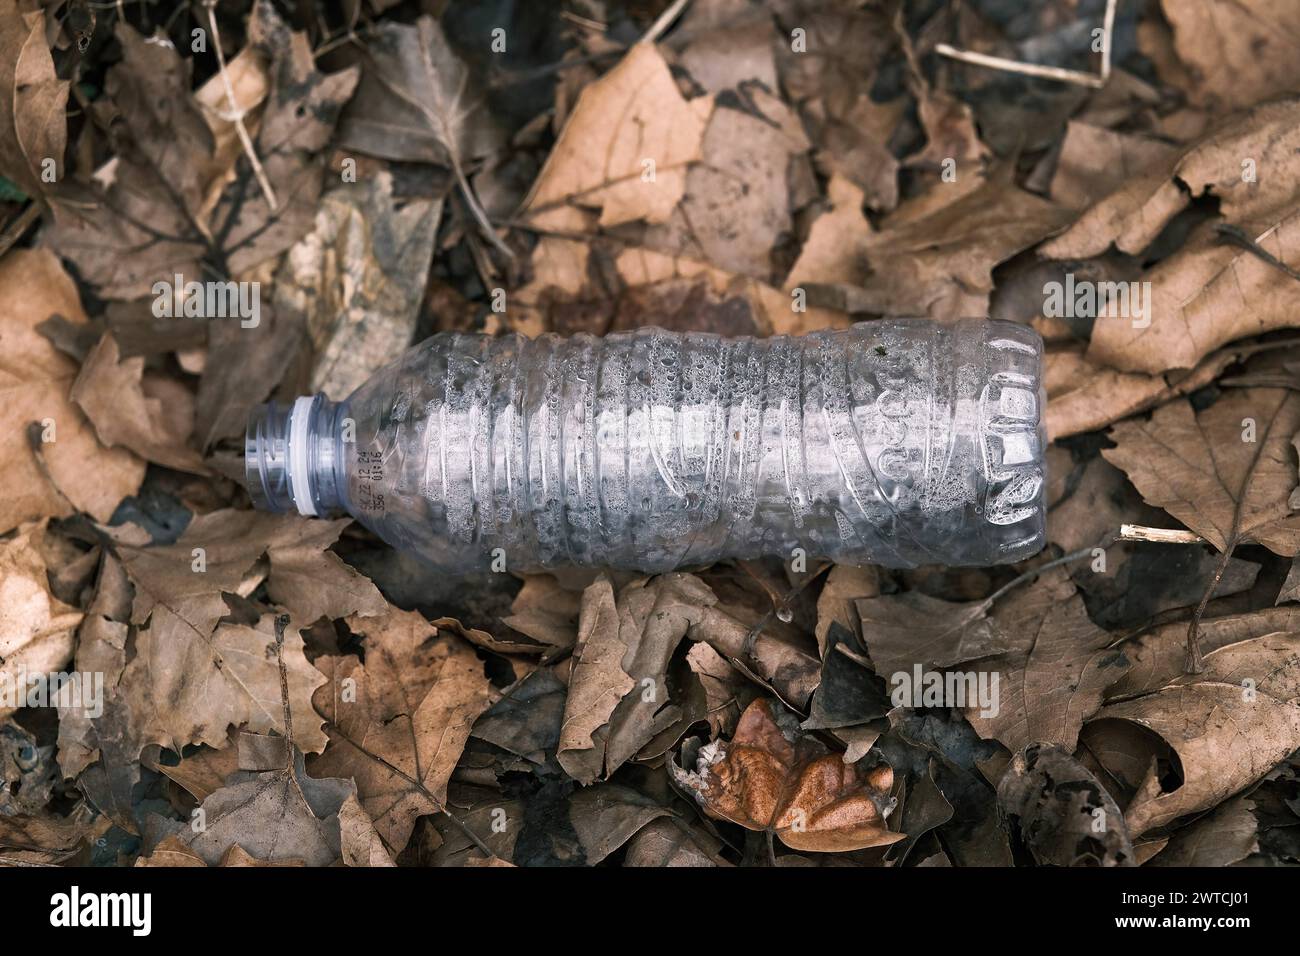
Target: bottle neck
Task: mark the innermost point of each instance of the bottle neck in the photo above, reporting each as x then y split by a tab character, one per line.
291	456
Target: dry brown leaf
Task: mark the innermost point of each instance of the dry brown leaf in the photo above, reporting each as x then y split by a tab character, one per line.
597	680
277	817
1207	293
1156	658
596	163
1237	53
901	630
1225	837
1056	675
832	251
190	677
36	628
837	602
33	100
1200	468
772	778
397	726
1053	804
635	151
185	688
940	264
357	279
618	694
74	470
46	839
674	843
1094	162
1227	732
111	391
1083	396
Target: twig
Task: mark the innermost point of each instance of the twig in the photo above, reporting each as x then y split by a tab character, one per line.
236	114
1106	541
1057	73
1140	532
1060	74
660	26
1107	31
14	231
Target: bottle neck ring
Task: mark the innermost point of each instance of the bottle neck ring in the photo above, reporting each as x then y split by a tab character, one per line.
291	456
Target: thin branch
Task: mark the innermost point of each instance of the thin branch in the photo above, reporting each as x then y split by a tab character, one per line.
1193	663
660	26
236	114
282	622
21	223
1060	74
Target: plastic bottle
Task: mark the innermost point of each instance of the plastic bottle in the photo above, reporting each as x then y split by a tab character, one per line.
894	442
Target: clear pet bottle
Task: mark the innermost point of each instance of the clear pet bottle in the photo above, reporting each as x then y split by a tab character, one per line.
893	442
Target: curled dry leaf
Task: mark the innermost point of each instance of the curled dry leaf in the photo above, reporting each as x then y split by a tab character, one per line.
618	693
1060	812
33	100
1227	726
112	392
636	151
772	778
1208	292
357	279
940	264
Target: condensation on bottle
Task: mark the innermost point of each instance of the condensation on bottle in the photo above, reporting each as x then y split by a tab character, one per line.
892	442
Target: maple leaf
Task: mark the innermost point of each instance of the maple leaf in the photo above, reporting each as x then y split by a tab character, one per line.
152	220
398	725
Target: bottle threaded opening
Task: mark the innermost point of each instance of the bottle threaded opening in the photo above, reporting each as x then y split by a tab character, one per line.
289	456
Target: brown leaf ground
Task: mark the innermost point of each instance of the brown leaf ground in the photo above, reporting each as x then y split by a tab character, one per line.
387	171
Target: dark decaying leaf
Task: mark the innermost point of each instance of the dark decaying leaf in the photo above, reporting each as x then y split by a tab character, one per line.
1060	813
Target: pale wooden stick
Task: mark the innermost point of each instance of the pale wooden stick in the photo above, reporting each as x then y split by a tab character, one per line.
1140	532
1093	80
1015	66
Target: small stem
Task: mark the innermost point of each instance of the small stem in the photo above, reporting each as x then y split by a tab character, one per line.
1235	236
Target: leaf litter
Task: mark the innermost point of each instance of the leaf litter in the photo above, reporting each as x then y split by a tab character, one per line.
737	167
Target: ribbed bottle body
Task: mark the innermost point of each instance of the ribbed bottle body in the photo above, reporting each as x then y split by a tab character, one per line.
896	442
